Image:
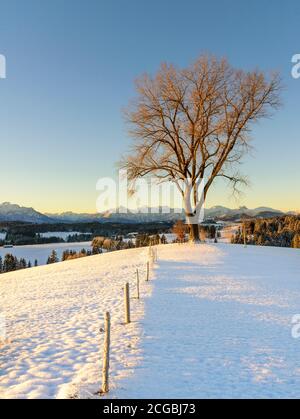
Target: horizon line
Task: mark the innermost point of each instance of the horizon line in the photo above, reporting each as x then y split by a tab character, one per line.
137	209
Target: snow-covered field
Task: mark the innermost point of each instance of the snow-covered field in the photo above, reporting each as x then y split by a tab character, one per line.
42	251
215	321
53	317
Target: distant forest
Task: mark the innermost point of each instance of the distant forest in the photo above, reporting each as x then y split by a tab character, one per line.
279	231
20	234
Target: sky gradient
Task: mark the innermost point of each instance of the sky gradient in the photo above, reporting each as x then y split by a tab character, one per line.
71	68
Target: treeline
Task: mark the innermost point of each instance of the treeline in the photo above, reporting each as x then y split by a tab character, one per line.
11	263
103	244
280	231
70	255
30	234
32	238
142	240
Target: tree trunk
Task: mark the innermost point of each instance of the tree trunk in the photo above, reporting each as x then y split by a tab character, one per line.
194	233
191	221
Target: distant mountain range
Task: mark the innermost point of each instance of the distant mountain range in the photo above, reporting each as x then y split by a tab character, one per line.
13	212
141	216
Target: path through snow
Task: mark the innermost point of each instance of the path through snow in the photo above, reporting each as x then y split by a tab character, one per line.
218	325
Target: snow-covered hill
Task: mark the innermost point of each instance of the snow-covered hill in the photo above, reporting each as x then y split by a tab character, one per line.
215	321
54	315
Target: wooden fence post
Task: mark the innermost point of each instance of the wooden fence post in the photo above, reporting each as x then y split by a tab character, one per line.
137	284
106	349
127	304
148	268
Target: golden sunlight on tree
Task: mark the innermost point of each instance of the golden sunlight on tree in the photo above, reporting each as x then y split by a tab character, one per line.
180	230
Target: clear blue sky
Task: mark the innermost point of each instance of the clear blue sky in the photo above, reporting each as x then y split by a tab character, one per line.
70	71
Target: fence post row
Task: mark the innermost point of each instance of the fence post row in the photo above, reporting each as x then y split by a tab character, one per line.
107	320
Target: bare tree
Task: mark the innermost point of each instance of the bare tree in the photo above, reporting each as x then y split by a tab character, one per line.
193	124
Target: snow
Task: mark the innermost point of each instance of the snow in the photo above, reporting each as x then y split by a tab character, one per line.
2	236
218	325
170	237
42	252
215	321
